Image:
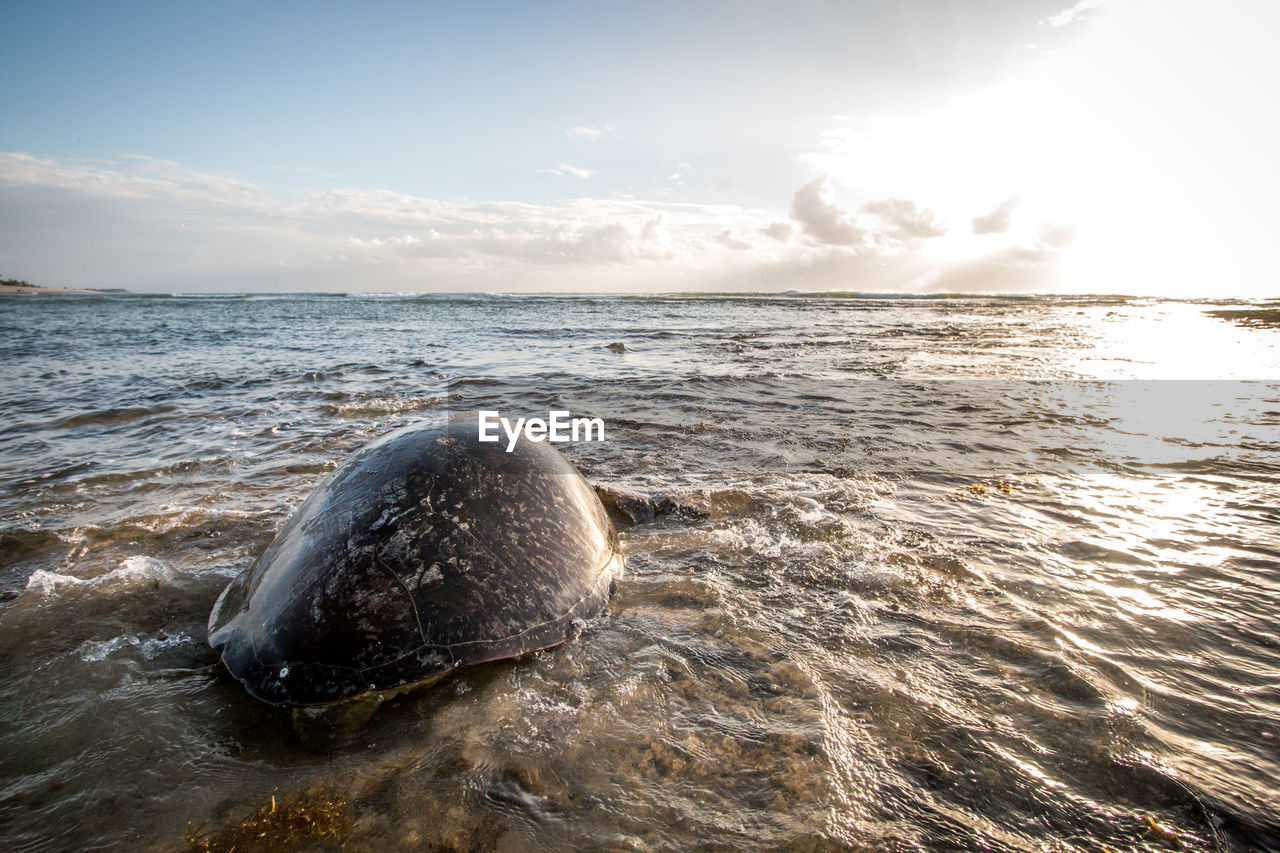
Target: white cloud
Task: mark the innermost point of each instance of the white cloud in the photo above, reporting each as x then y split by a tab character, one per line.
783	231
996	220
1056	235
565	170
904	220
593	132
1080	11
815	209
683	172
728	238
900	220
148	225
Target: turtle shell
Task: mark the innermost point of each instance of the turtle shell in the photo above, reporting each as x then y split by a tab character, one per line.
426	551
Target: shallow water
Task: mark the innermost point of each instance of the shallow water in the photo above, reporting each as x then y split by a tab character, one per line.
986	573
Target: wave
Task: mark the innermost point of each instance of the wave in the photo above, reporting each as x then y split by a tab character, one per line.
132	572
381	406
92	651
111	416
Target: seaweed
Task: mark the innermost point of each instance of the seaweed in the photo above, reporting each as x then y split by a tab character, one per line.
278	823
980	489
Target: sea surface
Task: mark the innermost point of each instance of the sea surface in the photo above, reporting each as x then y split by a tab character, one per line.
985	573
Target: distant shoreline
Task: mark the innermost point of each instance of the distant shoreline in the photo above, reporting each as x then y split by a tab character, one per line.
6	287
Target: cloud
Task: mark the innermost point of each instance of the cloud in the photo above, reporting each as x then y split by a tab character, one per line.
1079	12
996	220
865	272
593	132
1056	236
677	178
148	225
904	220
825	222
727	238
783	231
152	225
564	170
815	209
1009	270
1016	267
572	242
683	170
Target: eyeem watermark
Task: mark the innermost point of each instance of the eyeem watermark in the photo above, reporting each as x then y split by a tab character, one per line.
558	427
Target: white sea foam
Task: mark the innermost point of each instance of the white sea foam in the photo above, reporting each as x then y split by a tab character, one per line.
99	650
132	571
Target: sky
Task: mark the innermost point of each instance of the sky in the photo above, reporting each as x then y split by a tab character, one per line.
1118	146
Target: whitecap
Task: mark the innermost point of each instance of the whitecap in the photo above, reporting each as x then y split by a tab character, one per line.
93	651
132	571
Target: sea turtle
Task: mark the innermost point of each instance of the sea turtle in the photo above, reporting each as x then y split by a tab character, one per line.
426	551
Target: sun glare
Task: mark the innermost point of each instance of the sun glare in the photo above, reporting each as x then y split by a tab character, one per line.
1174	341
1134	169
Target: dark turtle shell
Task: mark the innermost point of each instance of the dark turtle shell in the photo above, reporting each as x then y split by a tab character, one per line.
427	550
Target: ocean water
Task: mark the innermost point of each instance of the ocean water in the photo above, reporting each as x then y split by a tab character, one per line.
972	574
